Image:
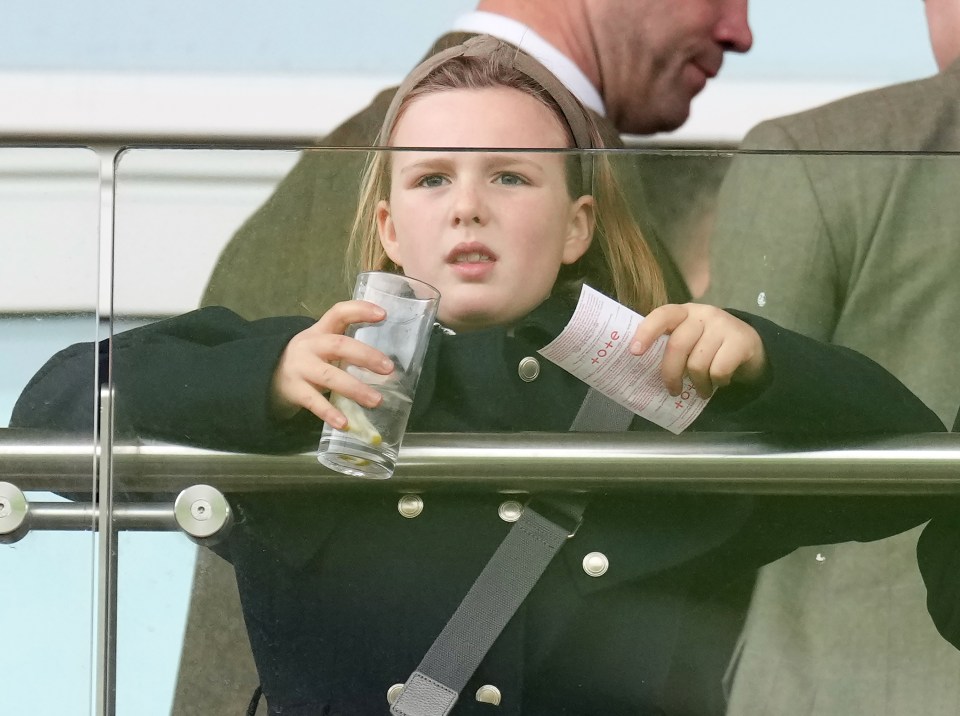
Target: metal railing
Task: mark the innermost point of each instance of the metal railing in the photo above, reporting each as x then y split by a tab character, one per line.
517	463
510	463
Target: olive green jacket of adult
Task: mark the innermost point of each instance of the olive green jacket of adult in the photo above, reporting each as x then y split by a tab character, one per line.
859	250
862	251
279	262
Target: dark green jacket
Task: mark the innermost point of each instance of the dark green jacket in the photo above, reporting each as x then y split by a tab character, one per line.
342	596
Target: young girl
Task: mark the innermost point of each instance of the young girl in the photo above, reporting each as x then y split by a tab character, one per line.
343	594
497	233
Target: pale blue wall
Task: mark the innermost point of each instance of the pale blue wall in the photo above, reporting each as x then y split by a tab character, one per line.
49	581
817	39
870	40
242	35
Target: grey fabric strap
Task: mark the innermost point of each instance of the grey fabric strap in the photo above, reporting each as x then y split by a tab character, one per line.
492	600
506	580
600	414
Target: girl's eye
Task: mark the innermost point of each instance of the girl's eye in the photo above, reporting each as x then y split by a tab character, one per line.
511	179
432	180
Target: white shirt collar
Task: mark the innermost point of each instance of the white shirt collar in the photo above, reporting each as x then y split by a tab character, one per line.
516	33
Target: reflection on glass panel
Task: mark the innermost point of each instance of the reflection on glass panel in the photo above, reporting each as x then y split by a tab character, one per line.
49	205
346	582
860	251
175	211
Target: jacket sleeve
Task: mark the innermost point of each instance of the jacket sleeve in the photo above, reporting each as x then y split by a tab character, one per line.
816	388
200	379
820	389
938	556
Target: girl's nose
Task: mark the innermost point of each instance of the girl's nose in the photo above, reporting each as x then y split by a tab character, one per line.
468	206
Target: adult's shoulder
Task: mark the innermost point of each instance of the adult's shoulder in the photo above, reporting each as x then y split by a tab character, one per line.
884	119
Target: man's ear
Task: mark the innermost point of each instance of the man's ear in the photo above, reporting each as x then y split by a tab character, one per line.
387	232
579	229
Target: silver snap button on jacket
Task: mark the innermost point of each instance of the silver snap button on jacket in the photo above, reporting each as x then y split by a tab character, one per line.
488	694
393	693
596	564
410	506
510	511
529	369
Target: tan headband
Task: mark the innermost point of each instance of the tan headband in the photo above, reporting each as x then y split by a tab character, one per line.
497	50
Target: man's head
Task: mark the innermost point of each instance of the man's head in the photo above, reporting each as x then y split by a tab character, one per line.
648	58
943	21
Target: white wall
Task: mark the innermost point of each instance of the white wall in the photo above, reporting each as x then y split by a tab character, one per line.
174	211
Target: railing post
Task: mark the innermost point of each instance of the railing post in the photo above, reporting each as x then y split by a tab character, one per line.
107	557
14	511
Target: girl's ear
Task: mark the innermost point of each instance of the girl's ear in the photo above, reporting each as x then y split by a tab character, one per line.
580	229
387	232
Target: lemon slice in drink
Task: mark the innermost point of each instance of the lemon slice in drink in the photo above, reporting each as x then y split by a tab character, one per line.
358	424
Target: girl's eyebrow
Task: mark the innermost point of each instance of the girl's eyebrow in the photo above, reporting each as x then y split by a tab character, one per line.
525	163
524	159
428	163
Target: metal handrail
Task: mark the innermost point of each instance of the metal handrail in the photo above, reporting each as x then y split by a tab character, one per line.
77	516
701	462
200	511
509	463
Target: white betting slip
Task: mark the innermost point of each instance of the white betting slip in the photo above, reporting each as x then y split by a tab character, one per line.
595	347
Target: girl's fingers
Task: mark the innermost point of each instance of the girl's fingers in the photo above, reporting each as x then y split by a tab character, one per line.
325	339
670	319
676	357
341	315
324	377
307	386
739	354
706	343
659	321
702	365
310	364
729	356
306	396
336	348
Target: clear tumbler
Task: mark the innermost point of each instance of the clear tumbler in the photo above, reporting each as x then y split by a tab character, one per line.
369	445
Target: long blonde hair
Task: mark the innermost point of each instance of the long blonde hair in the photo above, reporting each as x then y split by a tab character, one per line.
619	262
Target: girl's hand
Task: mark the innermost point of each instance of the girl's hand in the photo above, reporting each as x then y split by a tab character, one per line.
309	366
706	343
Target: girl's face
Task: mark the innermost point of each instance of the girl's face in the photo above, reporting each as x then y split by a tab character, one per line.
489	229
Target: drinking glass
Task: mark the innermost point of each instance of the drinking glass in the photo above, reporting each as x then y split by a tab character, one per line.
369	444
